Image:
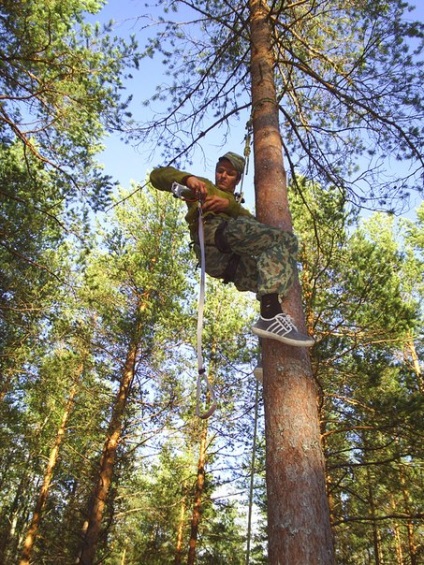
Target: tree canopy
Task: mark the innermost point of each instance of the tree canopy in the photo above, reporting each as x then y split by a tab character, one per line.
348	75
61	82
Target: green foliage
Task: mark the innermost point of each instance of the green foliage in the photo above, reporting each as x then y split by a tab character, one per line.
69	318
348	78
363	292
61	80
28	236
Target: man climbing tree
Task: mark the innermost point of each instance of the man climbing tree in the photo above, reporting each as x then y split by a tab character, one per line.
238	248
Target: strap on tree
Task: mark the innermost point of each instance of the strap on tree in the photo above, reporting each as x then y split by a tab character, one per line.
246	153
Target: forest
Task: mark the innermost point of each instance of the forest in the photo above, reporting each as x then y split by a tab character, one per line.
103	458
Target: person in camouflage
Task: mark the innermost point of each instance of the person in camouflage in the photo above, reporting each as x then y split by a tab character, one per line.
238	248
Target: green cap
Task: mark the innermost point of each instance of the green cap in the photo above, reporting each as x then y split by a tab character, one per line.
237	161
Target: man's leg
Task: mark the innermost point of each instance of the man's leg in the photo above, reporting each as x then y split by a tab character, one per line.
269	255
271	251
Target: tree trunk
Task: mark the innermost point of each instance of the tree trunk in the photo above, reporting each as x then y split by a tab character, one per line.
397	536
299	529
48	476
200	485
412	544
180	532
11	515
375	530
107	463
410	345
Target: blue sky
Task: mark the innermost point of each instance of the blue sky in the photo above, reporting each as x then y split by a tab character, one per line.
129	164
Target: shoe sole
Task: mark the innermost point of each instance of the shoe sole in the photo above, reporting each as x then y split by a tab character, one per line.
270	335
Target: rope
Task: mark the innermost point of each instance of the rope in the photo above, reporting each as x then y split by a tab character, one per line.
252	475
246	154
184	193
201	370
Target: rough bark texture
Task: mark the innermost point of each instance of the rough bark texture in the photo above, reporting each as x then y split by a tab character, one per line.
180	533
107	463
298	515
412	542
198	497
31	534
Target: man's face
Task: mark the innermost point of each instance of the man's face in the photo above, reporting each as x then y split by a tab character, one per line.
226	177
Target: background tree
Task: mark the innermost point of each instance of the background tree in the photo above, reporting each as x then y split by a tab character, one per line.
136	280
370	395
27	240
61	81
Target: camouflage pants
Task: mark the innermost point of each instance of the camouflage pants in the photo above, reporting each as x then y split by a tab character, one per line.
266	255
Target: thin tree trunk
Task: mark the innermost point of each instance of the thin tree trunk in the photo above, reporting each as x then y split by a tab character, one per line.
198	496
375	531
31	534
107	463
11	518
398	538
180	532
299	529
415	362
412	544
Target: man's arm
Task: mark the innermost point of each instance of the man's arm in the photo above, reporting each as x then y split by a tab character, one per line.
215	200
163	177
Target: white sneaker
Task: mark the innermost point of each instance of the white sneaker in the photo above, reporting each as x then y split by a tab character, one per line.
281	327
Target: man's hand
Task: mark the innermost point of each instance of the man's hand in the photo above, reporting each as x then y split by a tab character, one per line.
211	203
215	204
197	187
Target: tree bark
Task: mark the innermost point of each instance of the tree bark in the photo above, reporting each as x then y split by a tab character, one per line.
299	529
180	532
101	490
31	534
410	345
375	530
412	544
198	497
17	508
397	535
